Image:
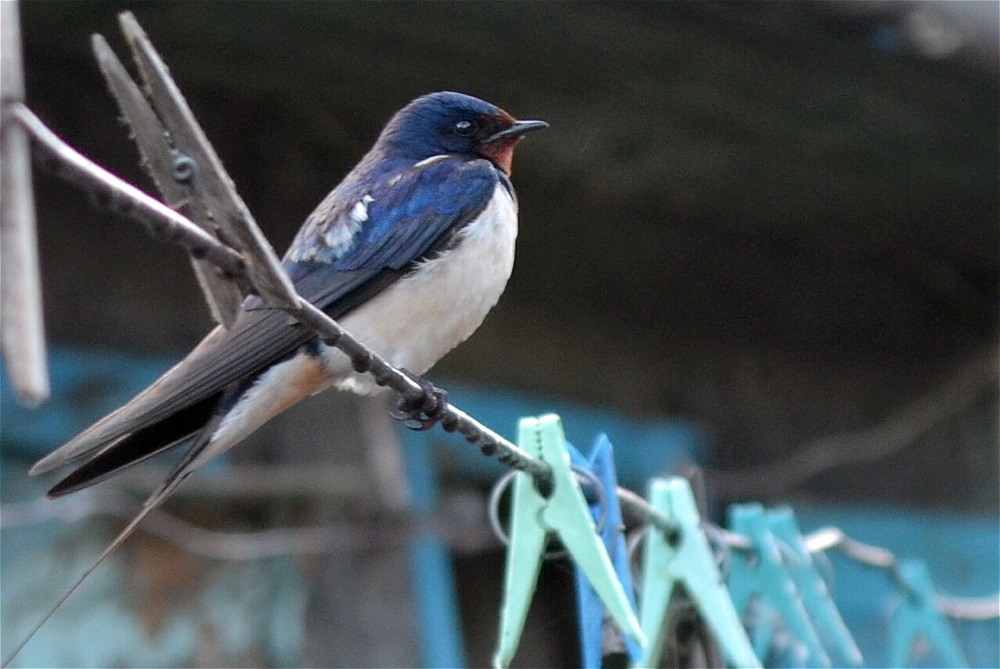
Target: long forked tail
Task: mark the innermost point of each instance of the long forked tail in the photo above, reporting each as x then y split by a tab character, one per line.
169	433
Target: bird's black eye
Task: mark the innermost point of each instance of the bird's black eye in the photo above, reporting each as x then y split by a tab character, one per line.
464	128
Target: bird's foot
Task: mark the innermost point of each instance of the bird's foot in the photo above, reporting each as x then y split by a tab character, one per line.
425	410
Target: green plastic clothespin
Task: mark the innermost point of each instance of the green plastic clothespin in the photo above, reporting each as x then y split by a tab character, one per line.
918	616
684	558
760	575
564	512
811	587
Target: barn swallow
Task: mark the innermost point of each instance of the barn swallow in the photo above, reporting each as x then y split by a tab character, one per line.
409	253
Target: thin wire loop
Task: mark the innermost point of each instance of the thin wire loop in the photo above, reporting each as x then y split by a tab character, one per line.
723	537
504	481
632	543
724	542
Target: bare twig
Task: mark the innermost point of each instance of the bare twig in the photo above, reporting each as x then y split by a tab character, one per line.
833	537
964	386
212	188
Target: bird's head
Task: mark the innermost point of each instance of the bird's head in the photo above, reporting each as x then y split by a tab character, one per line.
442	123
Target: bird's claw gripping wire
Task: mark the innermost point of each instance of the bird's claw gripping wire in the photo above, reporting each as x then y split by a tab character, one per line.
426	409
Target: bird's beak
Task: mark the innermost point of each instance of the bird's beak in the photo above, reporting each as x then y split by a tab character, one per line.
518	129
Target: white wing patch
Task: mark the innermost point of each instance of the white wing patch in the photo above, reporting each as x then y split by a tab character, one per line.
360	212
340	237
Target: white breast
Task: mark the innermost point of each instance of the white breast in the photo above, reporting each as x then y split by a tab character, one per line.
417	320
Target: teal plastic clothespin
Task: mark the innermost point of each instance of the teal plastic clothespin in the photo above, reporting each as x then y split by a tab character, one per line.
562	510
593	617
759	576
815	595
918	616
684	558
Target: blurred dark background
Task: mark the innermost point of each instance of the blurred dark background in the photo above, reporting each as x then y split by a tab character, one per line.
780	221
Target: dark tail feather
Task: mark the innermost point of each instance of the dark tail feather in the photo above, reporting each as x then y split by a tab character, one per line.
138	446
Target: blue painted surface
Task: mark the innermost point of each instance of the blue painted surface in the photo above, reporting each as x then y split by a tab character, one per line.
85	386
962	553
431	572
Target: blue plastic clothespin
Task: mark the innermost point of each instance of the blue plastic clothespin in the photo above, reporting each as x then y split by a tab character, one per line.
564	512
918	616
812	589
593	615
683	558
759	576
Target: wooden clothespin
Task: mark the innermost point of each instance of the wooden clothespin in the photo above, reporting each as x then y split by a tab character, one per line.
22	328
189	174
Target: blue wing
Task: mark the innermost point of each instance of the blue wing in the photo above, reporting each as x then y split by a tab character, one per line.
368	231
391	220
